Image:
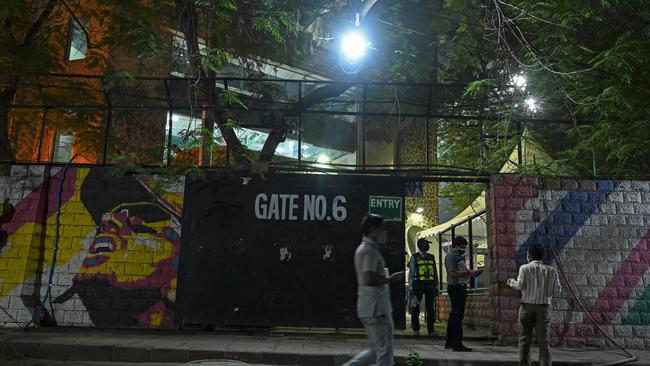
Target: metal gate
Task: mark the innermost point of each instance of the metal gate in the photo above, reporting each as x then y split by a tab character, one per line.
279	252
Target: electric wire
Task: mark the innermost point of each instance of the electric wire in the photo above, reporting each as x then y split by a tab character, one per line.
57	228
583	307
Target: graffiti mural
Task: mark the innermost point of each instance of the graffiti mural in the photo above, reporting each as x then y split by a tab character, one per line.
118	257
600	231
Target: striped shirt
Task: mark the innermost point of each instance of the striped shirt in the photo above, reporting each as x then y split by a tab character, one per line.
538	283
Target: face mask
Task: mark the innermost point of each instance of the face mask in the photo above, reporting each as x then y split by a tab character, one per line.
461	251
425	248
382	237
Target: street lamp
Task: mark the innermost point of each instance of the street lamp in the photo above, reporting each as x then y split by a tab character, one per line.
354	46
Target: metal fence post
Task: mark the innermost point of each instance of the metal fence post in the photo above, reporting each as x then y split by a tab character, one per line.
364	112
170	121
40	140
299	123
426	128
109	122
471	250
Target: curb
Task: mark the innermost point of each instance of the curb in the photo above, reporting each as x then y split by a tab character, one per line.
21	348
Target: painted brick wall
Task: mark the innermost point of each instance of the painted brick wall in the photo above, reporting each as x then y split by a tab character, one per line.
118	248
600	230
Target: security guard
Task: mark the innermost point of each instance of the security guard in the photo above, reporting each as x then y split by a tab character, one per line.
423	281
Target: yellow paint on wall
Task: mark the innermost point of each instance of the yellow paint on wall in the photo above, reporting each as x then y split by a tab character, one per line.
23	254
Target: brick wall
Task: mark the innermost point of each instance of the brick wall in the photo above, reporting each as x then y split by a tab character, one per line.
478	311
600	230
118	248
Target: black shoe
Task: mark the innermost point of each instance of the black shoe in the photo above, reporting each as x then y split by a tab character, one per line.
447	346
462	349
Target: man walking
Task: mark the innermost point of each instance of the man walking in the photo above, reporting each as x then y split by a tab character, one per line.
457	278
538	284
373	302
423	281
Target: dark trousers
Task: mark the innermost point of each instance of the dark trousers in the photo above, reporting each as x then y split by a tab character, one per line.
534	317
428	291
457	296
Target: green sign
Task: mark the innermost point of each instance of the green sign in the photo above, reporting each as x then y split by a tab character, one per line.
388	207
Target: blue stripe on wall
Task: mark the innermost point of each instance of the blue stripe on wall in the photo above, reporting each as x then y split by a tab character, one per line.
573	210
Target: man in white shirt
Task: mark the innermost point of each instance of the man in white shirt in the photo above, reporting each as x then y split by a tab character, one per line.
373	302
538	284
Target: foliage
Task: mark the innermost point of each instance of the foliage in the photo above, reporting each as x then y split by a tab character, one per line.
414	359
594	57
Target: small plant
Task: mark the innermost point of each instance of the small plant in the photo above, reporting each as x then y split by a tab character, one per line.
414	359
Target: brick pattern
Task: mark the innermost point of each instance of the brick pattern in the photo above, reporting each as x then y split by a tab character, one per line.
131	284
478	311
507	202
601	231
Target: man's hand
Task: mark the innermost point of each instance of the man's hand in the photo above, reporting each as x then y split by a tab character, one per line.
511	282
374	279
396	277
476	273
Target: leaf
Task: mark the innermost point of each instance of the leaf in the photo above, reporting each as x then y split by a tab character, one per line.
230	97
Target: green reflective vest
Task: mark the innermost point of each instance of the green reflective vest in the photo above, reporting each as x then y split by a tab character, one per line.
425	268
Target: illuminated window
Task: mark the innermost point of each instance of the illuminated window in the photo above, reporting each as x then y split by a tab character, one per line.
185	132
62	147
180	64
77	41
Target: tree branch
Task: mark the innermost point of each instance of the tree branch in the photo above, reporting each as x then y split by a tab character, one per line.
188	24
74	17
278	135
38	24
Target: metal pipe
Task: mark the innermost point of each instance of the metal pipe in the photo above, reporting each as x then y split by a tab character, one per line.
170	121
364	114
109	121
300	123
426	128
470	239
40	140
441	260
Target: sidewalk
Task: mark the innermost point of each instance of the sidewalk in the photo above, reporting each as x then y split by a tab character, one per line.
86	344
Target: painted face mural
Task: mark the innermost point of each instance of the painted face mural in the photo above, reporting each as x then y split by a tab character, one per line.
128	275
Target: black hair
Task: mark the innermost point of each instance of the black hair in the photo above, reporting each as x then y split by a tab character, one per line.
536	252
371	221
459	241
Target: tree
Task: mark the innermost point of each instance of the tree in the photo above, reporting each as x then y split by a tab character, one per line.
131	30
591	59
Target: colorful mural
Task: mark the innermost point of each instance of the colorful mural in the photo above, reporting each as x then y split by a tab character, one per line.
118	257
600	231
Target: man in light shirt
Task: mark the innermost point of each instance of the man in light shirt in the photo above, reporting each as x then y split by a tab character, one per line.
538	284
373	302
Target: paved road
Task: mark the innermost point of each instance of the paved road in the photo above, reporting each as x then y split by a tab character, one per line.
35	362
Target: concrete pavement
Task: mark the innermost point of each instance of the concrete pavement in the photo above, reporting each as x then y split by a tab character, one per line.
126	345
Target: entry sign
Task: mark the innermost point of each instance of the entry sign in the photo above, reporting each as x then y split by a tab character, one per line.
388	207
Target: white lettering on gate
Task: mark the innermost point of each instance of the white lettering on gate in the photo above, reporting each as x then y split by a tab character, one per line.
285	206
338	210
274	210
293	206
260	207
308	211
321	208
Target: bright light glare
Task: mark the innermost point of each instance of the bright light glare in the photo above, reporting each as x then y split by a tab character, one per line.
354	46
532	104
419	210
323	159
520	81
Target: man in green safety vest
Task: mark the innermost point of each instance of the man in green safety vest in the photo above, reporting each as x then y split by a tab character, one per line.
423	282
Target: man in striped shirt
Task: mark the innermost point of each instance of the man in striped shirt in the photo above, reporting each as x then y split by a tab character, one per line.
538	284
